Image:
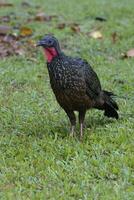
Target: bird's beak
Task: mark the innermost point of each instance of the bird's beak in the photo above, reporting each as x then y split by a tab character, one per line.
40	43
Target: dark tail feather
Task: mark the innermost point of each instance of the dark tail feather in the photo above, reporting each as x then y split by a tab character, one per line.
110	106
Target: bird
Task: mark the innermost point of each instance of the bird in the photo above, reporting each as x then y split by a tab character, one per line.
75	84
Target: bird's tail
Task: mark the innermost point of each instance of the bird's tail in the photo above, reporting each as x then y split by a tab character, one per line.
109	106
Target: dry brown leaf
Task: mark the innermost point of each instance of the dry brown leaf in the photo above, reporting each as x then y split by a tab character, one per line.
9	46
75	28
19	51
9	38
5	18
5	4
25	31
43	17
5	29
61	26
128	54
114	37
96	34
32	43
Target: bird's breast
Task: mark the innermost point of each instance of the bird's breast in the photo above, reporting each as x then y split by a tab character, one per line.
62	78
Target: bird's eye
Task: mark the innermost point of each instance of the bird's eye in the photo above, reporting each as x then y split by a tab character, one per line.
49	41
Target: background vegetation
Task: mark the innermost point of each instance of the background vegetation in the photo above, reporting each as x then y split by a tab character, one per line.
37	158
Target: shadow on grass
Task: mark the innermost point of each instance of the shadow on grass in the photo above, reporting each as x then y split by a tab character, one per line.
61	129
98	121
58	126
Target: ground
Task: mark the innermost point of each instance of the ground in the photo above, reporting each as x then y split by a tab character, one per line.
38	160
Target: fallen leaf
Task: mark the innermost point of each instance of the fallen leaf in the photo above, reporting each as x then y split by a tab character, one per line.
32	43
25	31
128	54
114	37
5	29
9	46
61	26
96	34
5	18
32	59
19	52
102	19
9	38
75	28
4	4
43	17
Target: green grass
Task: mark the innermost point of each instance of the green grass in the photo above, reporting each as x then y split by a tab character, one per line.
37	158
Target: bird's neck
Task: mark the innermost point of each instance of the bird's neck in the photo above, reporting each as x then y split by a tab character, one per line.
50	53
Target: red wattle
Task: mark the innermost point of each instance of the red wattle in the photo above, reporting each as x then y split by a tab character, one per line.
50	53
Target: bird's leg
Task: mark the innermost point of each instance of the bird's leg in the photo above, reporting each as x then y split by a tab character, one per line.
81	120
72	130
72	119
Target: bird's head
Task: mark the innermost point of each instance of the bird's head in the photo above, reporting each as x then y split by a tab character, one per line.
50	46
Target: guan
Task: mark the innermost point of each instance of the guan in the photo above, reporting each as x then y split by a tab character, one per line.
75	84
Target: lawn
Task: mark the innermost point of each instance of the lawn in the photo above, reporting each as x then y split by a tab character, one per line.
38	159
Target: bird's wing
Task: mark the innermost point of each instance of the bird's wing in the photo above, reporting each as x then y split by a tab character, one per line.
93	86
92	83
